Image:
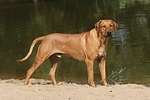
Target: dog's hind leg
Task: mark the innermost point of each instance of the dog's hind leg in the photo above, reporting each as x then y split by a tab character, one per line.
42	55
54	63
35	65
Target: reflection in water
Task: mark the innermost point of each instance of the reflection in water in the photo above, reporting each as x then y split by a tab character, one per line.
21	22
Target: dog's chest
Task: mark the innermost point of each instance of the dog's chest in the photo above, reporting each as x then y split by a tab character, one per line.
100	54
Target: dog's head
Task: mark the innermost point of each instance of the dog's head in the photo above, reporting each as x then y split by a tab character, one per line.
106	27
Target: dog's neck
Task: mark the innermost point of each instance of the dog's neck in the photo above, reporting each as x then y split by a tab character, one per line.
101	41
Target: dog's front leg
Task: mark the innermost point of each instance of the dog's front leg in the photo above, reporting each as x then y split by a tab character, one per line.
102	68
89	65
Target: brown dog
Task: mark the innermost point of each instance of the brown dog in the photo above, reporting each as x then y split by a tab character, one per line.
87	47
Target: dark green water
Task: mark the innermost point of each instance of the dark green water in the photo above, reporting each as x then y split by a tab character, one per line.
22	21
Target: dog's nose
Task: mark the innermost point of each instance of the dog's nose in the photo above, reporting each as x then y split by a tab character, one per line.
108	34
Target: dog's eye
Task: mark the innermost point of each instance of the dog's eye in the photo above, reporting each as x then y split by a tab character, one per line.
111	25
104	26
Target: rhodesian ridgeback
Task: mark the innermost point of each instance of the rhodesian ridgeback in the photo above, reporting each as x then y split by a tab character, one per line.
87	46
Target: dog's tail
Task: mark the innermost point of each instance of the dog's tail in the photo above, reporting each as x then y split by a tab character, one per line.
31	48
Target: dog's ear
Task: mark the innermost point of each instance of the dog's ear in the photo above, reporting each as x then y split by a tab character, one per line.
115	26
97	27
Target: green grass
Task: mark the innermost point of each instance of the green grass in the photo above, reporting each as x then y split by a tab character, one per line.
117	75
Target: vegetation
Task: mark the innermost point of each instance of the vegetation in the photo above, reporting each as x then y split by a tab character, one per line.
117	75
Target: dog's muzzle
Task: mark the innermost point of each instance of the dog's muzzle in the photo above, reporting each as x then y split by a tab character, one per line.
108	34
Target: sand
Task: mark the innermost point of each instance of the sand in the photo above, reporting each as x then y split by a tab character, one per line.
39	89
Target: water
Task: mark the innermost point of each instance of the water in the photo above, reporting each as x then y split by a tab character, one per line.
22	21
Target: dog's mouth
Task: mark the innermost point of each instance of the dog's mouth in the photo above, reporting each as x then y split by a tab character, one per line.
108	34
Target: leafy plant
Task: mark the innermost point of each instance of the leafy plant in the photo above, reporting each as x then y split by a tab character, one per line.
117	75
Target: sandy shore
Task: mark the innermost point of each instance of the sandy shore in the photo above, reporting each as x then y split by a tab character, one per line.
39	89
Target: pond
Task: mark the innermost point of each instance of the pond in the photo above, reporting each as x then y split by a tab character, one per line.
21	21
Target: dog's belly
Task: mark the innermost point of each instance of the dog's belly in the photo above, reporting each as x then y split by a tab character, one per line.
79	57
77	54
